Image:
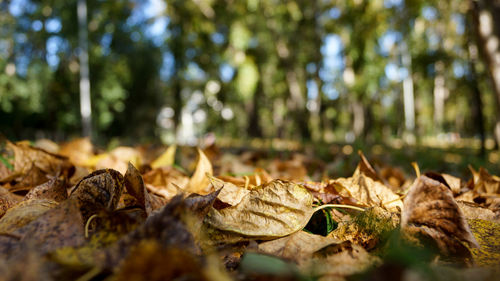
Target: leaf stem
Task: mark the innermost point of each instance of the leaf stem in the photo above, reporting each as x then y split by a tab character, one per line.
338	206
88	224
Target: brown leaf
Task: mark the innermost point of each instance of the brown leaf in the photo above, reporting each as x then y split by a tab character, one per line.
62	226
475	211
7	200
484	182
54	189
298	246
337	261
99	190
28	166
366	188
118	159
79	151
164	181
293	169
147	261
199	183
274	209
454	183
166	226
365	168
23	213
431	212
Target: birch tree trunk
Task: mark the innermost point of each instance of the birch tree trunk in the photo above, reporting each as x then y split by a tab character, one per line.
85	105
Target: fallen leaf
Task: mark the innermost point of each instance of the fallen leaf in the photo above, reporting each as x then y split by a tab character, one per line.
167	158
484	182
147	261
164	181
454	183
101	189
297	247
272	210
367	229
199	183
28	166
54	189
79	151
58	227
475	211
166	226
7	200
116	159
367	189
230	193
431	212
23	213
337	261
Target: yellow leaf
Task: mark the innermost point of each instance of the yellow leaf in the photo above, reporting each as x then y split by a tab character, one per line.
199	183
230	193
166	159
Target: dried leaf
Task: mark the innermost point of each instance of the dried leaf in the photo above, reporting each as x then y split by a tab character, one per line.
484	182
164	181
274	209
23	213
475	211
366	190
167	158
62	226
166	226
335	262
54	189
7	200
79	151
298	246
431	212
29	165
146	261
450	181
199	183
100	190
116	159
230	193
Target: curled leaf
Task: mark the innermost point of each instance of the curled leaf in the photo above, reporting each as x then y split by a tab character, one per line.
199	183
430	211
100	189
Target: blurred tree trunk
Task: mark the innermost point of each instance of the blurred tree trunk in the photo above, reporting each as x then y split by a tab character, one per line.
297	104
477	105
486	16
440	95
408	97
85	105
254	128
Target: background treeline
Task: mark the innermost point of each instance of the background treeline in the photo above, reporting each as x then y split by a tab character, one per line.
314	70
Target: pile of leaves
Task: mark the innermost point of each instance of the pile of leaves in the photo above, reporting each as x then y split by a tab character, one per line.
69	212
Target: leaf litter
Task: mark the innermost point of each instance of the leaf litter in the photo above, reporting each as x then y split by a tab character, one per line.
68	212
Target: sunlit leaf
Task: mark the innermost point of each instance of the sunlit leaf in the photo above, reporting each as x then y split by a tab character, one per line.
167	158
274	209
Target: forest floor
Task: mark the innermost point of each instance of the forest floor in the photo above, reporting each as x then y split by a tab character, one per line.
256	210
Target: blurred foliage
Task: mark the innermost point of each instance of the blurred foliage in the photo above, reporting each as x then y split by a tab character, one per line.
322	70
